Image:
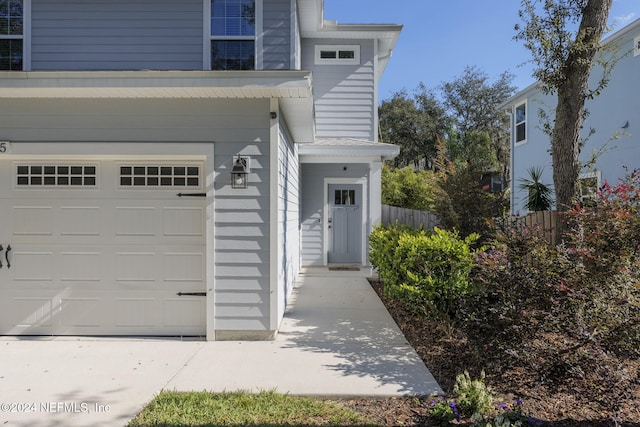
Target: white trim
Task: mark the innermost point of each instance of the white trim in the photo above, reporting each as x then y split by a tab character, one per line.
293	34
206	35
525	102
259	36
26	32
376	90
375	200
274	294
337	48
364	209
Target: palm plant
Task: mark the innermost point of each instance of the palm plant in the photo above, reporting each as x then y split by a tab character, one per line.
539	196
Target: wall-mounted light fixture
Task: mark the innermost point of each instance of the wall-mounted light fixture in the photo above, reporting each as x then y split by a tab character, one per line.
240	172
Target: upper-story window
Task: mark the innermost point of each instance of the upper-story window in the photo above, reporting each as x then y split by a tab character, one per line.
333	54
11	34
233	34
521	123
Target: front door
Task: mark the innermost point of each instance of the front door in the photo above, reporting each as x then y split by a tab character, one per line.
345	223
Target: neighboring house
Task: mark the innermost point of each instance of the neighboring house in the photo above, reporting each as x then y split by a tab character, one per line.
121	122
614	113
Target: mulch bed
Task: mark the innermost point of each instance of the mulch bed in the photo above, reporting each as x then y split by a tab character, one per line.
606	395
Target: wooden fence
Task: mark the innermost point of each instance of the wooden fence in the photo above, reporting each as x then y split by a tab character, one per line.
543	224
414	218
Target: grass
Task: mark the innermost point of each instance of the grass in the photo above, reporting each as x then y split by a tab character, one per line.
267	408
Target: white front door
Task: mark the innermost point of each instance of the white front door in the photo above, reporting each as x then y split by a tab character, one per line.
102	247
345	223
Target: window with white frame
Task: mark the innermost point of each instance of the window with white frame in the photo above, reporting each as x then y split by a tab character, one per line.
521	123
636	46
337	54
233	34
588	185
11	35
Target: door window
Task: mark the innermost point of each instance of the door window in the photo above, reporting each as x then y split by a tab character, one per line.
344	197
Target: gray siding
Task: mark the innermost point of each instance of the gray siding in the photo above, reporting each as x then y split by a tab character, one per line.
117	35
344	94
618	103
288	217
242	292
277	35
312	220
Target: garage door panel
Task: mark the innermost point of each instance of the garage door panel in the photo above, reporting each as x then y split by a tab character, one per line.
31	265
81	266
175	309
138	312
184	267
136	221
137	266
33	221
84	313
183	221
36	311
80	221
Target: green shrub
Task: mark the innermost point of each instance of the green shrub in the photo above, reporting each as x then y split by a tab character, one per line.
383	243
582	296
473	395
425	269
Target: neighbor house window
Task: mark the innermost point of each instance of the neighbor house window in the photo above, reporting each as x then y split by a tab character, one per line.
636	46
11	34
521	123
333	54
233	34
588	185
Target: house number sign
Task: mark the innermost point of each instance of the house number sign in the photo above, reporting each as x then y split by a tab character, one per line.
5	147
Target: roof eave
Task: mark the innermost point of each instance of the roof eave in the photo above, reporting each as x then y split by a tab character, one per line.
292	88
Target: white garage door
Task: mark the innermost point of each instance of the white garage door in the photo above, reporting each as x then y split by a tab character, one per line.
102	247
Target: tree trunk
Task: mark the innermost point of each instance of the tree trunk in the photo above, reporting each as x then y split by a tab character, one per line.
572	93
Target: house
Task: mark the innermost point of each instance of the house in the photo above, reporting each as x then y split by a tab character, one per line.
614	117
166	168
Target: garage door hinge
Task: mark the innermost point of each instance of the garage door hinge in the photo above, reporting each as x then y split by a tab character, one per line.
192	294
192	194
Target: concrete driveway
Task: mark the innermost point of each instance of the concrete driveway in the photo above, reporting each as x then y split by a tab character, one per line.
336	340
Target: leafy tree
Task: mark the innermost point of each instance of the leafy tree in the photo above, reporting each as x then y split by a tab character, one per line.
414	123
564	37
473	102
409	189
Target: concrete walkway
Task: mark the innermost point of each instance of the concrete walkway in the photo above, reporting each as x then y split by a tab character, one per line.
336	340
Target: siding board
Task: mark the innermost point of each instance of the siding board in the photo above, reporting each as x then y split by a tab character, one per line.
116	35
277	35
343	93
288	216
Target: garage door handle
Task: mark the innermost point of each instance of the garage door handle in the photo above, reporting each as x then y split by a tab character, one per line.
6	255
192	194
192	294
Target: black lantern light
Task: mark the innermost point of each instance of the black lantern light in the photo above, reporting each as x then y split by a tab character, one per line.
239	173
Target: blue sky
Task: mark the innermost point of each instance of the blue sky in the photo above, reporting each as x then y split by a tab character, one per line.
441	37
